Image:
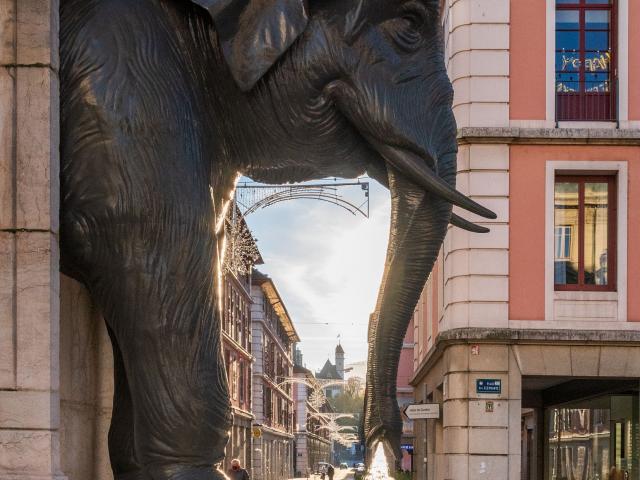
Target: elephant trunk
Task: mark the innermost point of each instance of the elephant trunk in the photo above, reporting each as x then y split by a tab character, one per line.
419	222
422	195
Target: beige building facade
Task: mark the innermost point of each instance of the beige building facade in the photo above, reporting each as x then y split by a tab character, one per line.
313	444
273	339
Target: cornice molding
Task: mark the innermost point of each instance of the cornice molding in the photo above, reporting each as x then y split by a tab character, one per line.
511	336
548	136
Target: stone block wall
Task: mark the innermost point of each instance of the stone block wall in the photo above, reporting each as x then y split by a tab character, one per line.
55	360
478	436
29	259
477	57
476	267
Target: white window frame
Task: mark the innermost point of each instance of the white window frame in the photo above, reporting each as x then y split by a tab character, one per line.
564	236
620	295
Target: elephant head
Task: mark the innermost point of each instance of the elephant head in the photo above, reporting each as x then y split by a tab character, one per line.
340	87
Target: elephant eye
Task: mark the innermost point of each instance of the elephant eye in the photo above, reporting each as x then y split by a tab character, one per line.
409	27
414	18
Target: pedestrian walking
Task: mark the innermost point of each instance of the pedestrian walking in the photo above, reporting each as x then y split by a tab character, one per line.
236	472
330	471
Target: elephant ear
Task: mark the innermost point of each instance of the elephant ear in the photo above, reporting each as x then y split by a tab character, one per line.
255	33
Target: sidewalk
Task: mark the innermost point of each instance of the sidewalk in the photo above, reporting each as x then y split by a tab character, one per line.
340	475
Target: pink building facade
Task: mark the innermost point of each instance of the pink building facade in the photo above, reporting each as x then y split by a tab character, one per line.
528	337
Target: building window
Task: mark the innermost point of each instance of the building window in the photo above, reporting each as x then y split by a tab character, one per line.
585	60
585	231
268	406
242	382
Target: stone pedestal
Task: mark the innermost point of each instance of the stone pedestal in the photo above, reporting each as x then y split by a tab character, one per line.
29	260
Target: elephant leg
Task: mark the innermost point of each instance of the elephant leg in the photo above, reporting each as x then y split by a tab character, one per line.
163	316
121	436
179	391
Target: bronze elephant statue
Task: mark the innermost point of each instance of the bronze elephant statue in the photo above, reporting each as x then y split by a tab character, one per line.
163	104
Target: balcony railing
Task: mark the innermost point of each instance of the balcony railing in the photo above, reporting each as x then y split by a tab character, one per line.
586	101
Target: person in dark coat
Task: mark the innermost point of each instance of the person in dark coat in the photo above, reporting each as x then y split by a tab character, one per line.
330	471
236	472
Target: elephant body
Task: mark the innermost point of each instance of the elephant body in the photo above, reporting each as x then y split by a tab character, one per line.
142	150
163	104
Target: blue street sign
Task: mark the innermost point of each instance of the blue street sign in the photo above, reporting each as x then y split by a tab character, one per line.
489	385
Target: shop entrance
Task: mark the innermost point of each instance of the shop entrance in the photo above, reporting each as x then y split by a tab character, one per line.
580	429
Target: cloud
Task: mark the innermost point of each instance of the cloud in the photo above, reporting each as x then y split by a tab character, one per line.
327	265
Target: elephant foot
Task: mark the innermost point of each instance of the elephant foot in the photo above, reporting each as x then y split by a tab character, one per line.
387	437
137	475
185	472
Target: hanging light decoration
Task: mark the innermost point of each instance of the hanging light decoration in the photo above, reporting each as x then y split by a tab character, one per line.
317	399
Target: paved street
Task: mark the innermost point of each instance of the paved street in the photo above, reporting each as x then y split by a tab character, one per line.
340	475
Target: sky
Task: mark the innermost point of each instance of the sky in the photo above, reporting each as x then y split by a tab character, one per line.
327	265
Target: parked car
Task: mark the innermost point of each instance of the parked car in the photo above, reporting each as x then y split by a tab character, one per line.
344	466
360	471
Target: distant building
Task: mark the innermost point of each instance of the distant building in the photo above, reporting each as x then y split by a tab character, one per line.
273	341
335	372
312	442
356	369
236	335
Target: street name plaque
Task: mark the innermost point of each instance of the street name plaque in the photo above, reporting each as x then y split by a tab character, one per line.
489	385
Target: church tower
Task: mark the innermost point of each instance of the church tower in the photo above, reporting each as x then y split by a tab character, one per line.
340	361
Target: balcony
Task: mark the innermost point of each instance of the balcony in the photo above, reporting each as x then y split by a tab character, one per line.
593	101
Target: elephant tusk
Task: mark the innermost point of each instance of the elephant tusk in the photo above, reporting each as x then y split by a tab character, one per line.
460	222
414	168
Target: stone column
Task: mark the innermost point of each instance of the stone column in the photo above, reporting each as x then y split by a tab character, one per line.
29	271
481	431
476	267
477	53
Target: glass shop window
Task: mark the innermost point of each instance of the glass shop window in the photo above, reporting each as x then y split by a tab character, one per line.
593	439
584	232
585	60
